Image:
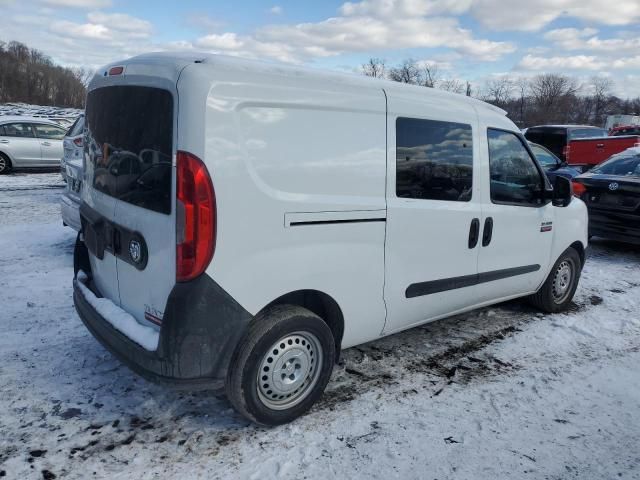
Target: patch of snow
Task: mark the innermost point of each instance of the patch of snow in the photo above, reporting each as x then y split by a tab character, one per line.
501	392
64	116
122	321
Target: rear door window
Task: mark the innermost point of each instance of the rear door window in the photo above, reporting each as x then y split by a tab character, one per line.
515	178
48	131
587	133
129	141
434	160
76	128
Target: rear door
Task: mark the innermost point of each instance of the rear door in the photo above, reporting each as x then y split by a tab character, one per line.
50	137
433	212
129	148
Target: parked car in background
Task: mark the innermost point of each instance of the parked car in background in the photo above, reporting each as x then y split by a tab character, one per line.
553	166
70	200
27	142
581	146
72	145
614	121
236	247
612	194
625	130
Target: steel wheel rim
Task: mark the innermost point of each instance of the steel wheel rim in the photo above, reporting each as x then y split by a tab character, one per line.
290	370
562	281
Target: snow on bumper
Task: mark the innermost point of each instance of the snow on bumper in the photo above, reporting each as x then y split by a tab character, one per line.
122	321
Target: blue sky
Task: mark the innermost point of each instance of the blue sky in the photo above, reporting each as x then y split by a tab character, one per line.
474	40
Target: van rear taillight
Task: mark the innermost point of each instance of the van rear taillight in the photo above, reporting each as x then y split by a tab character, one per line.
565	152
196	217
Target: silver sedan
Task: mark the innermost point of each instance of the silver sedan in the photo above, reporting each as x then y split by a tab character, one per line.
27	142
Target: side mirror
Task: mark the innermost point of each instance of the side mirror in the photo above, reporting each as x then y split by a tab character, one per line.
562	192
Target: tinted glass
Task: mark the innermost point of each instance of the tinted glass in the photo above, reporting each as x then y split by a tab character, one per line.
76	128
49	131
623	165
434	160
627	131
544	156
552	138
18	130
515	179
128	143
587	133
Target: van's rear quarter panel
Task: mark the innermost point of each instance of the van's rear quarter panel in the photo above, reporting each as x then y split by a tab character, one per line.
276	144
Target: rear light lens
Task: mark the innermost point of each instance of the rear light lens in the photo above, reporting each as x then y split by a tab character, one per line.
578	188
78	141
116	70
195	218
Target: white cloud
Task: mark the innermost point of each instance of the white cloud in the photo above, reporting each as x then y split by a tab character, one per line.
535	14
404	8
586	39
88	4
276	10
576	62
121	22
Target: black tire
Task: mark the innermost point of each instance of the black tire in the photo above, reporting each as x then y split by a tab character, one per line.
551	298
284	322
5	164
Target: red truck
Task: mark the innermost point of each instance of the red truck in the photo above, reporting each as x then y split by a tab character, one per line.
582	146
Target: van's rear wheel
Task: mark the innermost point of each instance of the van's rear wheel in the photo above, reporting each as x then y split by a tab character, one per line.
557	292
282	366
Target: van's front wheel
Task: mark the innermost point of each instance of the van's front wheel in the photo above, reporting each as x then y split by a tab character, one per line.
557	292
282	366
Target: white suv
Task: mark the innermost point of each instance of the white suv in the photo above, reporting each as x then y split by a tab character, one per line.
244	222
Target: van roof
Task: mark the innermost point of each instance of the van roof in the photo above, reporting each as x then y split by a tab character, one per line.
272	67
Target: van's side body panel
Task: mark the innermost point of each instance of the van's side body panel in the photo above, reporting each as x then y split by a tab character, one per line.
280	146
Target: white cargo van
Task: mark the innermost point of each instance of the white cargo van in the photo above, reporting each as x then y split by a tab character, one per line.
242	222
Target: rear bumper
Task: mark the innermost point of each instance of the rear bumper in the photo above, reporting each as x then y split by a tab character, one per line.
70	210
201	328
615	226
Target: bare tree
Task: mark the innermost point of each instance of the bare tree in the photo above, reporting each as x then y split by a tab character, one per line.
430	75
452	85
375	67
498	91
407	72
602	87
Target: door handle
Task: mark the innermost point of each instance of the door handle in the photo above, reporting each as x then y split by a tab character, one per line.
474	233
4	141
487	232
599	145
46	144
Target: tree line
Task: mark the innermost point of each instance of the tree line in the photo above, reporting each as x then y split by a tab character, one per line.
548	98
28	75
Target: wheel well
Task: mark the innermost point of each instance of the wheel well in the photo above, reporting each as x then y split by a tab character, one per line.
578	247
7	158
322	305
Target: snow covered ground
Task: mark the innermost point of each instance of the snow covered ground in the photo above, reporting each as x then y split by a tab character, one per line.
503	392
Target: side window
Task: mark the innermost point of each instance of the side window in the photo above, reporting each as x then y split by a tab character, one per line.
49	131
18	130
515	179
434	160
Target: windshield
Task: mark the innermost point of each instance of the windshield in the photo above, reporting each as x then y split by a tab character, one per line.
587	133
623	164
544	156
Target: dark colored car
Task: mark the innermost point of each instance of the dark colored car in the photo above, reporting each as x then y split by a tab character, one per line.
612	194
552	165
